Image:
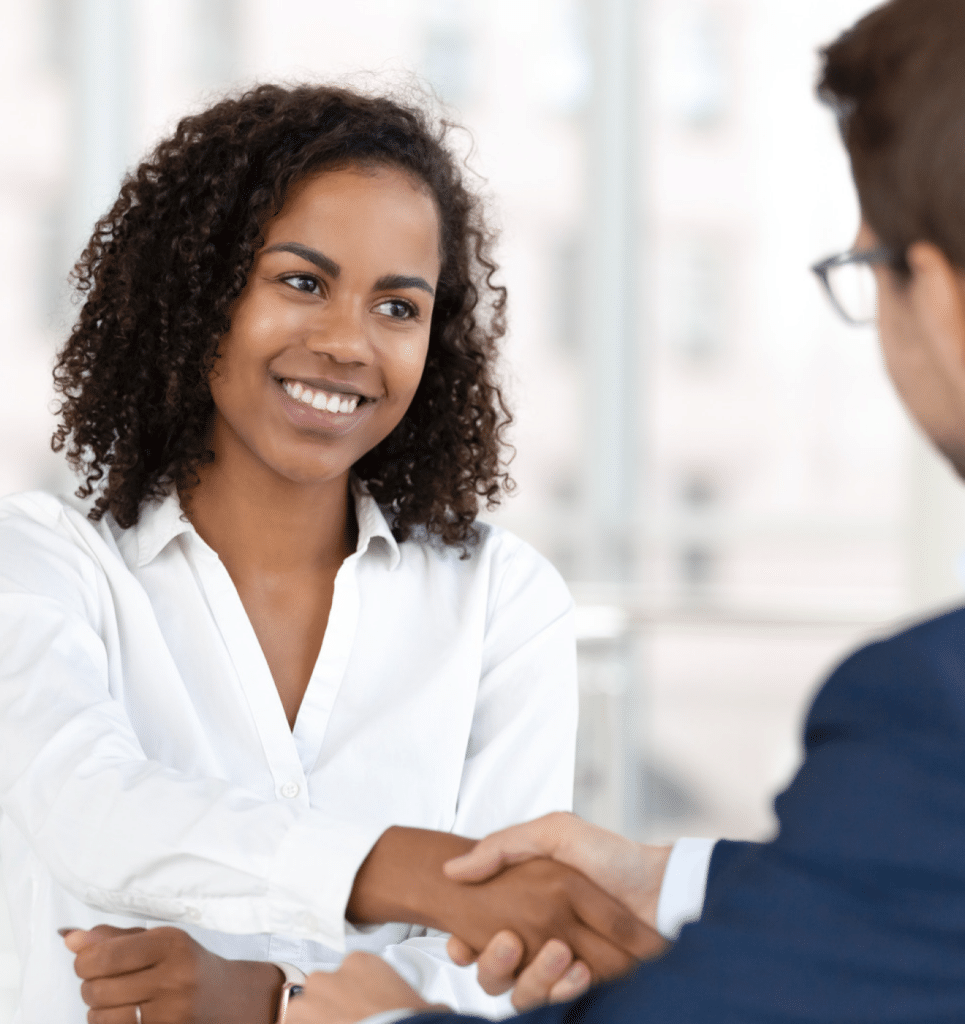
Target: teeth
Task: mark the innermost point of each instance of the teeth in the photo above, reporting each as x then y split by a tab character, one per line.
320	400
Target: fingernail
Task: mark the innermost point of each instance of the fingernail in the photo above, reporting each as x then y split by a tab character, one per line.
577	976
64	932
506	951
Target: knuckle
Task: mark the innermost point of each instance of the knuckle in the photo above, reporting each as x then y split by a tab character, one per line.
90	992
626	929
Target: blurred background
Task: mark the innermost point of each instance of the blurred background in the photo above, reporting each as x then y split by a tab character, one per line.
715	463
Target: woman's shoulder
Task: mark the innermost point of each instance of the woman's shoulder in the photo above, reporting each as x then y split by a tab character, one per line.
510	567
30	511
47	534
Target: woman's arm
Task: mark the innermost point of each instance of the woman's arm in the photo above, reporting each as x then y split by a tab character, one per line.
116	830
519	763
402	879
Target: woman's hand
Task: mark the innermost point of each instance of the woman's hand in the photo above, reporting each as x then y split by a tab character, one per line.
630	872
172	978
402	880
364	984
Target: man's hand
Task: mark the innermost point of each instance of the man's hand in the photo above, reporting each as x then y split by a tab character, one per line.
553	976
402	880
630	872
171	977
364	984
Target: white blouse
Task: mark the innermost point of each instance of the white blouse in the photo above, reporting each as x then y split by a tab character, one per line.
148	772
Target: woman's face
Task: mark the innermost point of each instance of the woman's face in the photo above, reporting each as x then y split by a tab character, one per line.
328	339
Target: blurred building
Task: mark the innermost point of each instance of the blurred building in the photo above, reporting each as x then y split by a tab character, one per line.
715	463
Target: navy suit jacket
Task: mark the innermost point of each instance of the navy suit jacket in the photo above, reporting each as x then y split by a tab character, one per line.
856	911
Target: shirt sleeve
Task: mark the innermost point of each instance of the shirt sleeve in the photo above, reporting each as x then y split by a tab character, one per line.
684	885
520	757
120	832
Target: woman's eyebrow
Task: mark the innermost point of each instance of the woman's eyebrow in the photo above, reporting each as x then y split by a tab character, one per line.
323	262
401	281
330	267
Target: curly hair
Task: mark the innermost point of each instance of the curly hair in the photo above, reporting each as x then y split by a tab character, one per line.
165	264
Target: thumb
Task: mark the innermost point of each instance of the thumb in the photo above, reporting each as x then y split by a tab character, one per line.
76	939
510	846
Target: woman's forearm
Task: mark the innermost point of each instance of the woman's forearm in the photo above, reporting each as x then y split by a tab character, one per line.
402	879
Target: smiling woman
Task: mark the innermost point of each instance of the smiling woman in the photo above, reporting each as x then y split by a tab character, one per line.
263	686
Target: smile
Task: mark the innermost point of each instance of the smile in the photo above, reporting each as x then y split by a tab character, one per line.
320	399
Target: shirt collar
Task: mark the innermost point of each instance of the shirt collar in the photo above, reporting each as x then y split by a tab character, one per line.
161	521
372	523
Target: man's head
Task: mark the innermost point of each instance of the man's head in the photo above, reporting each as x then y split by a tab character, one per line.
896	81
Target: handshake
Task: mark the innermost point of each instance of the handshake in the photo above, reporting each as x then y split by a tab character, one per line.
545	909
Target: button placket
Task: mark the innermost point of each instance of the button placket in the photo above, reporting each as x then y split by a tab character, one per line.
252	669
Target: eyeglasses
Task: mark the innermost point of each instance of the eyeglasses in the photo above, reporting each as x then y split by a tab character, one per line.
850	282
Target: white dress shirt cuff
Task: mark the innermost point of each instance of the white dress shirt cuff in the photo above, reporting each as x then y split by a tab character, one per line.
313	875
684	885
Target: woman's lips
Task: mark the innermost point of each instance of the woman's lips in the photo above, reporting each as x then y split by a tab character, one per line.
352	408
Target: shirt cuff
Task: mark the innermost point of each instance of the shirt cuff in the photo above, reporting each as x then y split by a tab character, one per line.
313	875
684	884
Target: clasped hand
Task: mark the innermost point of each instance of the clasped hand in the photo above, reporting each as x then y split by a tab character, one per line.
599	928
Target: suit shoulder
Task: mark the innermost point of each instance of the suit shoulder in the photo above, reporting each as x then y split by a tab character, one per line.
911	681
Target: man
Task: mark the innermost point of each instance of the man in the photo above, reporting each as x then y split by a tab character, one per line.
856	911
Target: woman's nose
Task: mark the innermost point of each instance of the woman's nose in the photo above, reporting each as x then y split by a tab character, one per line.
340	333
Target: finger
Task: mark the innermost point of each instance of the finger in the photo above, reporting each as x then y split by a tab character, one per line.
615	923
124	990
76	939
512	845
460	953
499	962
574	983
126	953
121	1015
603	958
547	969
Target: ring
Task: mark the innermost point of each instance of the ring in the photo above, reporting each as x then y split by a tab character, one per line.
138	1016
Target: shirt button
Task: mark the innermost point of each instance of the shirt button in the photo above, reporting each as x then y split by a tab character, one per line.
290	790
193	914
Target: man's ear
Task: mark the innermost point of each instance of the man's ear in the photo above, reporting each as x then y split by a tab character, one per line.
937	294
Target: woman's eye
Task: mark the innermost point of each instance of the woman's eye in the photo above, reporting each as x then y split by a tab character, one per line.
302	283
397	309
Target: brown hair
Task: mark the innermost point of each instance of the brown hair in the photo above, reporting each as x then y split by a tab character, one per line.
165	264
897	83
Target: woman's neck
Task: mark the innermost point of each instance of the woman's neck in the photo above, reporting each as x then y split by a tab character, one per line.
271	526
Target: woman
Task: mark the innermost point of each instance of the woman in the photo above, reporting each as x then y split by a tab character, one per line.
279	633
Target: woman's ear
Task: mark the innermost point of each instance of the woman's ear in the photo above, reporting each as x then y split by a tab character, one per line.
937	296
